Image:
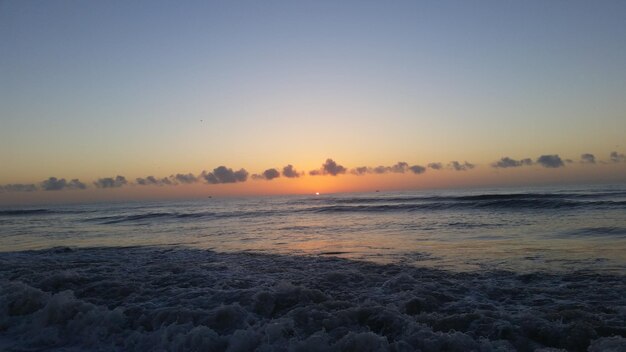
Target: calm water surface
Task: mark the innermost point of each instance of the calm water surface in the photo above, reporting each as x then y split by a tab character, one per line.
576	228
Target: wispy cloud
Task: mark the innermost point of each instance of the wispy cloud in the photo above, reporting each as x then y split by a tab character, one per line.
18	187
361	170
153	181
222	174
435	166
457	166
399	168
56	184
330	167
550	161
111	182
184	178
616	157
507	162
587	158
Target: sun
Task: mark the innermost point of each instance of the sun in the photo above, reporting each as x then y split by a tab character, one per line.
317	193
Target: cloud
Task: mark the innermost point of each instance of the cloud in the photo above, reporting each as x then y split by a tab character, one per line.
380	170
268	174
400	168
153	181
550	161
417	169
18	187
435	166
184	178
506	162
617	158
110	182
290	172
222	174
55	184
271	174
455	165
330	167
587	158
361	170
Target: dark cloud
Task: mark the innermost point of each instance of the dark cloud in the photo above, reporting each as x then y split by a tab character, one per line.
435	166
55	184
587	158
417	169
508	162
616	157
271	174
222	174
184	178
18	187
550	161
268	174
290	172
330	167
153	181
111	182
455	165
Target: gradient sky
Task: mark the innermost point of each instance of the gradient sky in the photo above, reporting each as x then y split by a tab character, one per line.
92	89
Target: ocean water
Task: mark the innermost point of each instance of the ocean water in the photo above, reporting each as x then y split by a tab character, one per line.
484	270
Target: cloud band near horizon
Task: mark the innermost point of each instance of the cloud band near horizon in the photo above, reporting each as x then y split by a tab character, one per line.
225	175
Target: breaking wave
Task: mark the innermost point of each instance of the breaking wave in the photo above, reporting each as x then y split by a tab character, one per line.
175	299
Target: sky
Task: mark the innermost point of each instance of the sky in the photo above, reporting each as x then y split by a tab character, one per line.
94	90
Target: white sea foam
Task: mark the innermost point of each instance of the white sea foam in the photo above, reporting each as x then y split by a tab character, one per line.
177	299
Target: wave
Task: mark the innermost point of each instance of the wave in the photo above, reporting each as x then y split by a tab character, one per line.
20	212
116	219
27	212
133	218
471	198
605	231
468	203
510	204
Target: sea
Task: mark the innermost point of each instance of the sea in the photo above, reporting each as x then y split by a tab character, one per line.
515	269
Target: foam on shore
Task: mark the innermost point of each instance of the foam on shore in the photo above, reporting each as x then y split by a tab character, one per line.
179	299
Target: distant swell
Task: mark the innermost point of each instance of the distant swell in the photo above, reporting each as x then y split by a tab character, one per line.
510	204
480	198
116	219
18	212
134	218
608	231
374	205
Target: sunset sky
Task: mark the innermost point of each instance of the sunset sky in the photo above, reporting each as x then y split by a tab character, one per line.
90	90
